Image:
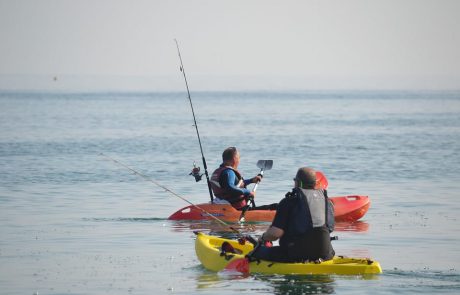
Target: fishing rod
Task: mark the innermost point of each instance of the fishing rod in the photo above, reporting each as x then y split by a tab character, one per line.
196	125
170	191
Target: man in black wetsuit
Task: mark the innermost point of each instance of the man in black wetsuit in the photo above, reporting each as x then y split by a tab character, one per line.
303	223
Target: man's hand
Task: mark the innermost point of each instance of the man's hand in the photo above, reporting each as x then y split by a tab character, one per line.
256	179
272	234
264	241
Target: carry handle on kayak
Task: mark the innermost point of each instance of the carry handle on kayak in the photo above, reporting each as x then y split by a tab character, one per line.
263	165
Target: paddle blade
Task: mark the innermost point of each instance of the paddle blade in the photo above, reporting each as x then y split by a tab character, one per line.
321	181
239	265
265	164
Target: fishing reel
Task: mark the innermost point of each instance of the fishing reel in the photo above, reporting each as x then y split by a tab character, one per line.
196	172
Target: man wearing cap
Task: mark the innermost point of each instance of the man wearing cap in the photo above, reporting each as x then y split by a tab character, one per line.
303	223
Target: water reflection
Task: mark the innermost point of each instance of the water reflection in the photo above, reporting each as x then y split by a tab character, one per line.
291	284
355	226
211	280
274	284
214	227
251	228
307	284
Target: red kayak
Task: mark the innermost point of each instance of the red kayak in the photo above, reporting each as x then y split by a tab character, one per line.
346	208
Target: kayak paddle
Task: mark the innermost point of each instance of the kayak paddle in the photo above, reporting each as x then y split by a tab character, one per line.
240	265
262	165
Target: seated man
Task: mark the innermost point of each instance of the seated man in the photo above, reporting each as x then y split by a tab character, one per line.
303	221
228	184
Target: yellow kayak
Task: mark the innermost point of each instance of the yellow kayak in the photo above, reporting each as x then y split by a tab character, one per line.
209	252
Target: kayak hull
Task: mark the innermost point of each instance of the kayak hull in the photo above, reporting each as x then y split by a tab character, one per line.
350	208
222	211
208	251
346	208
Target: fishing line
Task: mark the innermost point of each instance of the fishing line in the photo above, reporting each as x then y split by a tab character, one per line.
168	190
196	125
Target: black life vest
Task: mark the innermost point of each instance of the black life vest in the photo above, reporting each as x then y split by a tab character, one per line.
218	188
312	209
311	221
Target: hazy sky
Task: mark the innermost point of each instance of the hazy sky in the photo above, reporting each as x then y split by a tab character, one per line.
235	44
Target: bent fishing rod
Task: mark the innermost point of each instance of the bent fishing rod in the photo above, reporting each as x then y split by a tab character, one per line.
196	125
169	191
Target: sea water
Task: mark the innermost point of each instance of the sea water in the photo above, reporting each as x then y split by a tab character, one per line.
74	222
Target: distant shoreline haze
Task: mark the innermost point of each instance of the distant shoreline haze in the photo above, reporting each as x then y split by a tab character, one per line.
77	83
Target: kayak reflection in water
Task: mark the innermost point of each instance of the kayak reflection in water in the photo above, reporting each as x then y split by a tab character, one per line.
228	184
303	222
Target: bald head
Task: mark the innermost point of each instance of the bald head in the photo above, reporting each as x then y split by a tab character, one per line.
305	178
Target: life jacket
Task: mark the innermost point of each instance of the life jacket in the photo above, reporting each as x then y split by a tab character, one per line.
311	221
238	201
312	209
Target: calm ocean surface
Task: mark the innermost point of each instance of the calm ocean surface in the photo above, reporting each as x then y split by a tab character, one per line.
72	222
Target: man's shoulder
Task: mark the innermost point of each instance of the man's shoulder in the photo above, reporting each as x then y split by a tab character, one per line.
228	171
292	195
289	199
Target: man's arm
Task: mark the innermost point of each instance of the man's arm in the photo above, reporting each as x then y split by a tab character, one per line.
255	179
279	224
228	182
272	234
